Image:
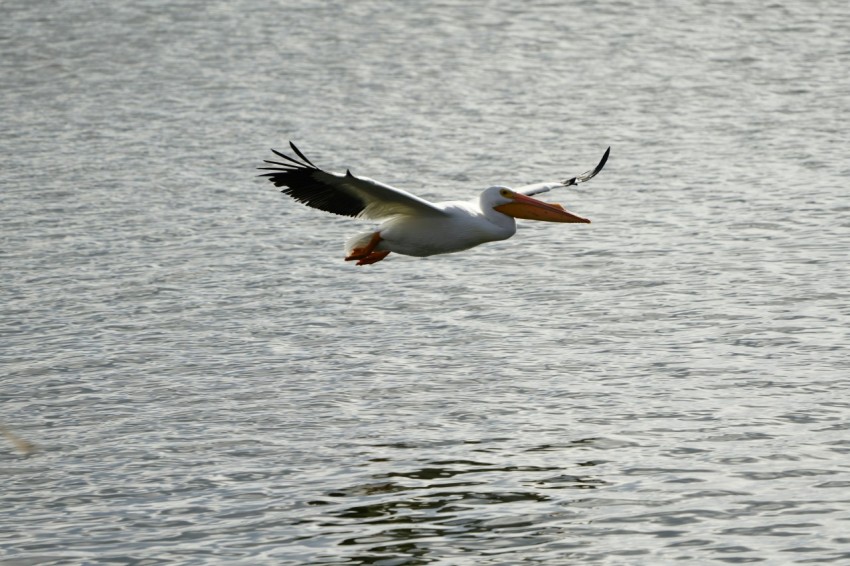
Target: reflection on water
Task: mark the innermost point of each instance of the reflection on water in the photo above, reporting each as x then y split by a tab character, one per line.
478	505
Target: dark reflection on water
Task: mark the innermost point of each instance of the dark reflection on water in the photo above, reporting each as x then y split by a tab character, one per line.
473	505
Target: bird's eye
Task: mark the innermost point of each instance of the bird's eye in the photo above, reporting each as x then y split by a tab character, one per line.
505	193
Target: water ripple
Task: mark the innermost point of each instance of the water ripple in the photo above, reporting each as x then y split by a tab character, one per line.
195	375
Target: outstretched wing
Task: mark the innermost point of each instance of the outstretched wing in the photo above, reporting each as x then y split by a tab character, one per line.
346	194
586	176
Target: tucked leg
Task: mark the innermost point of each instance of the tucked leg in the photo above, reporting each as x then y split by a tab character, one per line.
364	252
373	258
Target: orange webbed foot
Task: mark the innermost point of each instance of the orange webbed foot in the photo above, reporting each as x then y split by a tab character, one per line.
364	252
373	257
357	253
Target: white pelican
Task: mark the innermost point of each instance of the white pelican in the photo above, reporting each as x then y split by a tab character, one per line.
411	225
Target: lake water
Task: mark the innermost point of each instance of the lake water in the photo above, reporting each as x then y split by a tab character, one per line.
208	382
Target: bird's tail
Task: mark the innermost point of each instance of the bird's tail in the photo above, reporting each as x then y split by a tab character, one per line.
358	241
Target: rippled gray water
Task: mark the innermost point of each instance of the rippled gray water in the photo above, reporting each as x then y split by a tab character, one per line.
208	382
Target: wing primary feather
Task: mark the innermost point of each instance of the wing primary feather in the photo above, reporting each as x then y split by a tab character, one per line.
346	194
279	164
295	161
588	175
309	185
278	169
601	164
301	155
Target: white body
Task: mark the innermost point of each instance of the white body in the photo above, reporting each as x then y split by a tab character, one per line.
463	225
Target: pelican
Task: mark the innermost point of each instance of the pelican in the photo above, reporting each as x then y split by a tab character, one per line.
411	225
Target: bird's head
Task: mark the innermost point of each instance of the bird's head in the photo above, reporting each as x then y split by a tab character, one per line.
518	205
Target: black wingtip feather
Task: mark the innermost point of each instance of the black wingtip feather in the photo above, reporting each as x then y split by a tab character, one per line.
309	185
279	164
301	155
588	175
295	161
602	162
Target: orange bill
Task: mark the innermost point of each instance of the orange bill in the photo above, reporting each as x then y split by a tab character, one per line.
532	209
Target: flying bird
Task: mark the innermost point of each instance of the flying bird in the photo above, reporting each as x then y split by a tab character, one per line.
411	225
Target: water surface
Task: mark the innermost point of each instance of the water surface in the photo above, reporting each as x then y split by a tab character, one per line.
208	382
